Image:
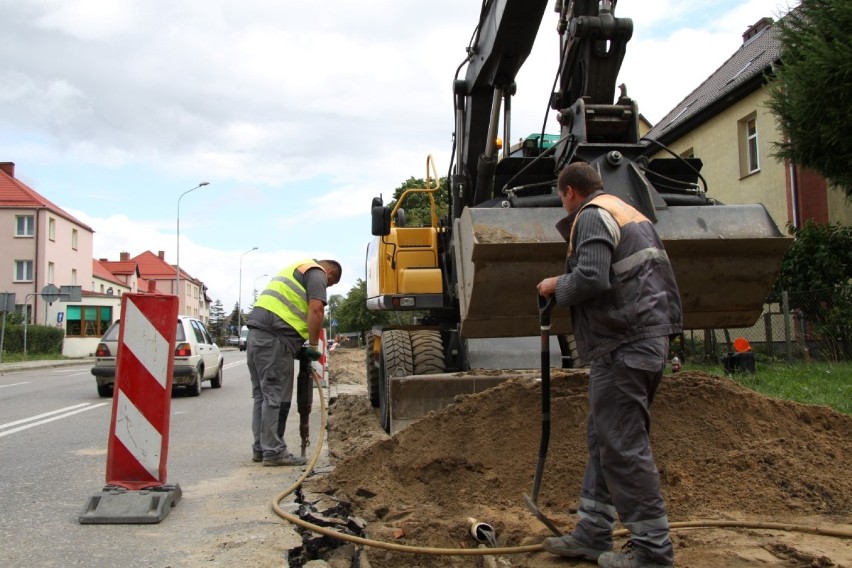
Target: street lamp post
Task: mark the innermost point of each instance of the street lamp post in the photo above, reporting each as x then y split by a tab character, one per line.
240	293
255	281
177	263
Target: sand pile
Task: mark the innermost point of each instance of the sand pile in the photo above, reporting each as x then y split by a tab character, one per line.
724	452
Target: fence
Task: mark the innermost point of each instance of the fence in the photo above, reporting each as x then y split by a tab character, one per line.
806	326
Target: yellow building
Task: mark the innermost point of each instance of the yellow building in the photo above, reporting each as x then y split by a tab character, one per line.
726	123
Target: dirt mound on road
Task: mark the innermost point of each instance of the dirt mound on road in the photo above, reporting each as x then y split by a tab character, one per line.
724	452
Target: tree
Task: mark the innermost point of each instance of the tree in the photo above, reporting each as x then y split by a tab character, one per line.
352	314
416	206
811	96
817	274
217	320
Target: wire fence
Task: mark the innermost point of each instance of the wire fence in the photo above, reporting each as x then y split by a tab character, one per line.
813	326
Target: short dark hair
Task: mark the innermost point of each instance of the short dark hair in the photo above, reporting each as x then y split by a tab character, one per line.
582	176
333	264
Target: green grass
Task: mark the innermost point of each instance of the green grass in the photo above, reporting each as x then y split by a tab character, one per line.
827	384
18	357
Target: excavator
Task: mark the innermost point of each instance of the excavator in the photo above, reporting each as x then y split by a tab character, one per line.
470	276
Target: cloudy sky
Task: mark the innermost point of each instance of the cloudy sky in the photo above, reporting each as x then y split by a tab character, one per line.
296	113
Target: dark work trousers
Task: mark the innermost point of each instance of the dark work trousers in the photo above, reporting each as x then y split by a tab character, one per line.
270	364
304	392
621	476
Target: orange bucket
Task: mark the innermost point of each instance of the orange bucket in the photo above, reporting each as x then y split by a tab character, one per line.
741	345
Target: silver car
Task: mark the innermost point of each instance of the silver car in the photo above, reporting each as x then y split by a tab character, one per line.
197	358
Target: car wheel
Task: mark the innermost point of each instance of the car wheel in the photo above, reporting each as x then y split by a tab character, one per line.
105	391
195	388
216	381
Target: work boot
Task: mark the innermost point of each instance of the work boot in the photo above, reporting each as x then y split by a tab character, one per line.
567	545
257	456
285	459
627	558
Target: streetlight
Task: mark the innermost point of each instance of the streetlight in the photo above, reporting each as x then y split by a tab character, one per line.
258	278
177	264
240	293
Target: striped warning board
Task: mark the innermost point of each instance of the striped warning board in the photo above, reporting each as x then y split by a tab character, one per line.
139	432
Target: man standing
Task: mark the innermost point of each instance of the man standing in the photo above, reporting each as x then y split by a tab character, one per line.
287	313
624	306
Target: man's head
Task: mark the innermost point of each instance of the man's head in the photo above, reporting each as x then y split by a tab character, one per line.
576	182
333	270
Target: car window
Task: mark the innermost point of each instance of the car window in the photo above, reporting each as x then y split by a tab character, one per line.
179	334
207	338
199	334
112	333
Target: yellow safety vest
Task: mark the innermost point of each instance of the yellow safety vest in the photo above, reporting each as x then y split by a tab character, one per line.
285	297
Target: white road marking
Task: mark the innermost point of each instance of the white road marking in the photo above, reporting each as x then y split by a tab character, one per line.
54	415
14	385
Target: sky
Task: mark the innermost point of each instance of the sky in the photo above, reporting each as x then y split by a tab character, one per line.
297	114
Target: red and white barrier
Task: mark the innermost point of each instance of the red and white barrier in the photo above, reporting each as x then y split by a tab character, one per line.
139	432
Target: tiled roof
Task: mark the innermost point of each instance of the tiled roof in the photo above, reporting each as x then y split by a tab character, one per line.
152	267
101	271
120	266
725	86
16	194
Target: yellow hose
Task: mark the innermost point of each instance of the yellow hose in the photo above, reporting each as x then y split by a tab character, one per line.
826	531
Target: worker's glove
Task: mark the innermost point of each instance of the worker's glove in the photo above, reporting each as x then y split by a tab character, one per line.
313	352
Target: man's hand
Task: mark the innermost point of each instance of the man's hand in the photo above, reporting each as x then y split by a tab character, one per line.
313	352
547	286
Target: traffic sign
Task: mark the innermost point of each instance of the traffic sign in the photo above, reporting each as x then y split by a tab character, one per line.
50	293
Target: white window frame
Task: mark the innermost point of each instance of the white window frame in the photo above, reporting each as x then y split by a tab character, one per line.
50	272
24	225
23	271
74	239
752	154
51	229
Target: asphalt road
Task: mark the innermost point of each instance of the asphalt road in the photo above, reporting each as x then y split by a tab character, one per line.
53	450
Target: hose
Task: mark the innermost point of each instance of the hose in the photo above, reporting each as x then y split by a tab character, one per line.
825	531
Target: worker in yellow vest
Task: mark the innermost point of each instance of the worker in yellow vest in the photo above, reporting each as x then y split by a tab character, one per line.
288	313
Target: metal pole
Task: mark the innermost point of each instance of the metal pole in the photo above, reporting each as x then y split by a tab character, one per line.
177	262
785	303
240	293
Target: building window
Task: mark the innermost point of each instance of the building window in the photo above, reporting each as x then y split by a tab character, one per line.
749	156
74	239
87	321
25	225
51	229
73	276
50	270
23	271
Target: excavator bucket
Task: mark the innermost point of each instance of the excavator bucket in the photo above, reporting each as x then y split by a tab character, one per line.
725	258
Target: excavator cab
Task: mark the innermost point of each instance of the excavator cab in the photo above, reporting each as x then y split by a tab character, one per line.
403	271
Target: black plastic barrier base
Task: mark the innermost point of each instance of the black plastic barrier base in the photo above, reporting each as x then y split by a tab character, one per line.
117	505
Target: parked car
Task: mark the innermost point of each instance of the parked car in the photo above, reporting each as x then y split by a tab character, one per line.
196	358
243	338
233	341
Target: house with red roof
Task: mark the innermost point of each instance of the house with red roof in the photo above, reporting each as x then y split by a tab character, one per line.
42	245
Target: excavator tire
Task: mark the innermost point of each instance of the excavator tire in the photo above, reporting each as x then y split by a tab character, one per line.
372	372
428	352
397	361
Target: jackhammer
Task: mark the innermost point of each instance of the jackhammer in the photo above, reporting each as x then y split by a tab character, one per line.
304	398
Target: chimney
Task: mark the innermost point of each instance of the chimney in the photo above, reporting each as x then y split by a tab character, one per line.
124	256
8	168
161	254
756	28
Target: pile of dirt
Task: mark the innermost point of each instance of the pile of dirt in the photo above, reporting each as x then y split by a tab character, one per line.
723	451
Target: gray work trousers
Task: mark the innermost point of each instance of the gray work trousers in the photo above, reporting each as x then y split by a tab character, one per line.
621	476
270	364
